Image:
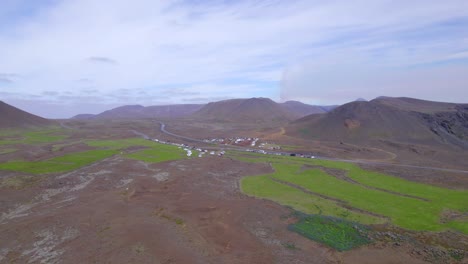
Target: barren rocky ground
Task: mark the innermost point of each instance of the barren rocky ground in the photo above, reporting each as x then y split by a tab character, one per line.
120	210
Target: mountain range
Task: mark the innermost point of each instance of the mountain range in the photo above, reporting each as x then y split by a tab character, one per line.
139	111
245	110
401	119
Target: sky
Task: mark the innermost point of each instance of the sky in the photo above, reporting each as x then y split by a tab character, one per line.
59	58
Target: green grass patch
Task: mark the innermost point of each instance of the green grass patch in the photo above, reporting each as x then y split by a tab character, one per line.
8	141
158	153
264	187
331	231
7	150
404	211
407	204
453	199
64	163
121	143
459	225
38	137
154	153
33	137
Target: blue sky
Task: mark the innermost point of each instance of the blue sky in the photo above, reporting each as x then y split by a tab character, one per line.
59	58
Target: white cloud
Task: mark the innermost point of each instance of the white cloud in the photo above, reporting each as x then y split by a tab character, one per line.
219	50
459	55
323	87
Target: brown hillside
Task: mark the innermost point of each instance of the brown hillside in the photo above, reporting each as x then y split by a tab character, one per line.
416	105
301	109
12	117
84	116
140	112
122	112
173	111
400	119
253	110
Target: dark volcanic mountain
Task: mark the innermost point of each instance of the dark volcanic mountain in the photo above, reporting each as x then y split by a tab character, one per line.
417	105
138	111
12	117
400	119
328	108
84	116
301	109
249	110
253	110
123	112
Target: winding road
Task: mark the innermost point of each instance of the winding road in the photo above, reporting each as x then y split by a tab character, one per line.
163	130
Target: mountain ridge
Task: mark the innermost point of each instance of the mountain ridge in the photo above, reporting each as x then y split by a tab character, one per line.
12	117
256	110
139	111
393	118
294	109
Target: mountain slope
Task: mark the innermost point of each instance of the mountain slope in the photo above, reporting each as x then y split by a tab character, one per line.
122	112
417	105
253	110
12	117
84	116
400	119
172	111
138	111
301	109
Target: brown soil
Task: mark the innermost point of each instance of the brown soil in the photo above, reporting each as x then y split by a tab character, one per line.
380	254
188	211
121	211
351	123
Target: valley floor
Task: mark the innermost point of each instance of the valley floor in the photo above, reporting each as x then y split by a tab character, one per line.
99	194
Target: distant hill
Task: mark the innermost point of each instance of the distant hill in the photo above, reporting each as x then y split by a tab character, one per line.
401	119
328	108
140	112
84	116
301	109
123	112
253	110
179	110
12	117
